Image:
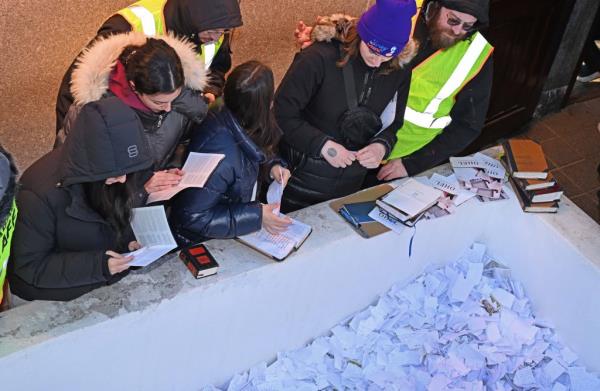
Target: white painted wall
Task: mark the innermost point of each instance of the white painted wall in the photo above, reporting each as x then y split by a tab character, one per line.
206	334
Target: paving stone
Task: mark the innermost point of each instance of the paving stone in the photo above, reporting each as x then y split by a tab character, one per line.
571	188
560	152
540	132
584	174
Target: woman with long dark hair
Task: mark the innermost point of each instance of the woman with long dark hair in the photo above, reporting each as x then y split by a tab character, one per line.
159	78
75	206
330	103
245	131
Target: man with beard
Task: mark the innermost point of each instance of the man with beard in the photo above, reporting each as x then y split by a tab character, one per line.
206	23
450	88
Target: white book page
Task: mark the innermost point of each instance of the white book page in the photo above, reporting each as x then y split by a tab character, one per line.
380	217
151	228
152	231
297	231
198	167
450	185
412	197
278	246
146	255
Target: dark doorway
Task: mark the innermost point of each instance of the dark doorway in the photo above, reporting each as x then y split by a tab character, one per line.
526	35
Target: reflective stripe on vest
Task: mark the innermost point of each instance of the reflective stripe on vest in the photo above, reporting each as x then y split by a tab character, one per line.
5	238
146	16
210	50
435	83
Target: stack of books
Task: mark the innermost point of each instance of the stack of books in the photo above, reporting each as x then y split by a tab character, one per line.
536	188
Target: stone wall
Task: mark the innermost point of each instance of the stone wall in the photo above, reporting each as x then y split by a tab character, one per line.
39	39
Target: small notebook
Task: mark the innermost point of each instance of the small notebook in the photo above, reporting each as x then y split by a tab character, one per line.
281	245
367	230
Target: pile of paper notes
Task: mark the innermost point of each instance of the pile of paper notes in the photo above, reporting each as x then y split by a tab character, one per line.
481	175
465	326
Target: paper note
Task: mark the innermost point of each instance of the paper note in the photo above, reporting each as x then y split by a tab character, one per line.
197	169
152	231
274	193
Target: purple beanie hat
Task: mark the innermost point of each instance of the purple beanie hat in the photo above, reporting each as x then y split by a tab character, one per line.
385	27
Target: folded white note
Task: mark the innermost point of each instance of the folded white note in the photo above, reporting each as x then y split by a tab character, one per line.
197	169
152	231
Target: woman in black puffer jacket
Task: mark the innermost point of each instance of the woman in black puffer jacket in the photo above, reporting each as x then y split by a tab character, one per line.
159	78
245	132
329	145
75	205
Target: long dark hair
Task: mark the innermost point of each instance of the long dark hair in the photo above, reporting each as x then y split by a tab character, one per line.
248	95
114	203
154	67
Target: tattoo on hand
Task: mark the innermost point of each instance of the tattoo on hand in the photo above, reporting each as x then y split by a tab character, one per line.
331	152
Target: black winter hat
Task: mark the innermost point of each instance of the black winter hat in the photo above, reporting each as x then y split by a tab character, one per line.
478	8
107	140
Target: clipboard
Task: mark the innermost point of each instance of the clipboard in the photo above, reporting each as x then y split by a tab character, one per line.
367	230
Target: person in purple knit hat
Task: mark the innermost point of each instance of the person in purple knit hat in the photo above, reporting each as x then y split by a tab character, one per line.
329	105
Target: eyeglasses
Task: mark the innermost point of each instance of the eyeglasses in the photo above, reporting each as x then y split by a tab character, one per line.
453	21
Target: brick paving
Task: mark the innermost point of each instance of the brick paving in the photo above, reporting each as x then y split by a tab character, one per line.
571	141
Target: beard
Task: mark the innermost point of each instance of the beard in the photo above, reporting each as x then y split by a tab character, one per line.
442	36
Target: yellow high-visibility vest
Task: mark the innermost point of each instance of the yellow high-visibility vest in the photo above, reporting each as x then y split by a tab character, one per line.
5	238
433	89
147	16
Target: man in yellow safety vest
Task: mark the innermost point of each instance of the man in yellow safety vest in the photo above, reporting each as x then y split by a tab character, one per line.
450	86
207	23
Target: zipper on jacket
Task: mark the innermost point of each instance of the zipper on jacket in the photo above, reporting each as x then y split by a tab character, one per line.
160	120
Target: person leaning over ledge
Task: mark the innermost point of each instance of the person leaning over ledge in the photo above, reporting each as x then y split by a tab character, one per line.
244	130
205	23
450	86
159	78
329	144
75	207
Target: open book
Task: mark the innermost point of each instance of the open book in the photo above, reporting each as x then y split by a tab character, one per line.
409	199
152	231
281	245
197	168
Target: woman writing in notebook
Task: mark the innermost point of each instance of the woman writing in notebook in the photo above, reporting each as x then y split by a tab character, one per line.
244	130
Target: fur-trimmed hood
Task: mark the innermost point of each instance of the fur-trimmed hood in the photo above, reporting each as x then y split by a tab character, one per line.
93	67
336	27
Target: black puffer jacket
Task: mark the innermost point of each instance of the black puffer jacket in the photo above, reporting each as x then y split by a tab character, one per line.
223	208
308	105
91	78
184	18
59	244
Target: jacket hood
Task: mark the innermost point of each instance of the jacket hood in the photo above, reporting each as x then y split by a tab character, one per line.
107	140
8	184
189	17
337	26
93	67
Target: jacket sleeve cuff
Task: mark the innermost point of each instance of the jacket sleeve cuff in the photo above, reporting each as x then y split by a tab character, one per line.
411	166
104	263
